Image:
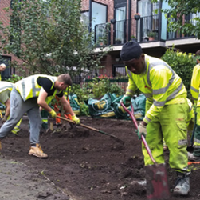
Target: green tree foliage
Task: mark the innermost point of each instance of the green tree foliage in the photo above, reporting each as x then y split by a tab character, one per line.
182	64
179	10
49	38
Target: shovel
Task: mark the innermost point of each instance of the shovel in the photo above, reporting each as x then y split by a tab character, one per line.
94	129
157	183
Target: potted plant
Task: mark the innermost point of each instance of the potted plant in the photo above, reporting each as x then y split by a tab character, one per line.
137	16
118	41
133	38
151	35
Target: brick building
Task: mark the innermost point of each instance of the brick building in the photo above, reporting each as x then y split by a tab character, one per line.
118	16
124	23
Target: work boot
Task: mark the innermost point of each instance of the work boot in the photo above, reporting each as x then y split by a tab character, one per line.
193	158
37	151
182	186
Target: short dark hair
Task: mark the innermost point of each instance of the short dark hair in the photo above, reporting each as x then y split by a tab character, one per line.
130	50
65	78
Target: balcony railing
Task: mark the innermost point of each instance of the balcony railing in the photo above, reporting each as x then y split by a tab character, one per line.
146	29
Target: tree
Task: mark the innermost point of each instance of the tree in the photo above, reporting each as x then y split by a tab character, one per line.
179	10
49	38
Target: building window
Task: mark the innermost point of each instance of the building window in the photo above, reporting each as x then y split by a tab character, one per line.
99	19
150	20
85	18
118	71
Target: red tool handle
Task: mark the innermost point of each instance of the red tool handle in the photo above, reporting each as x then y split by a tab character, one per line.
131	113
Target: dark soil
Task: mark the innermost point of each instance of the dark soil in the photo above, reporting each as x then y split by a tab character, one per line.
88	165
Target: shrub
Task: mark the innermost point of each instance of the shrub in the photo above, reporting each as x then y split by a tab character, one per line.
182	64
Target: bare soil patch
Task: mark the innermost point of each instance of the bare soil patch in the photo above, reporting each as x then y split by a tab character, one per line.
91	166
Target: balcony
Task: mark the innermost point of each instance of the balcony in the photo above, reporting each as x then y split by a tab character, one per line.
149	31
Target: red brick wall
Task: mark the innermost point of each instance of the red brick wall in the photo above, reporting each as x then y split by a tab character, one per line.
4	17
109	60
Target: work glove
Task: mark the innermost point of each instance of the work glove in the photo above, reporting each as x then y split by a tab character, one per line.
75	119
142	130
53	113
126	100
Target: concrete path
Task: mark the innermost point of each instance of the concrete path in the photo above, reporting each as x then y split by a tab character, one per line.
17	182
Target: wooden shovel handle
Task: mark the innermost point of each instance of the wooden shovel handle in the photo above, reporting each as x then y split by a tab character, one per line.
89	127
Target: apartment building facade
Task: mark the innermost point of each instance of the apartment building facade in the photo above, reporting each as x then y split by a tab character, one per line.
119	21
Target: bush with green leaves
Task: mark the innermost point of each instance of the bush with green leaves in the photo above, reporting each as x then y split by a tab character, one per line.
182	64
96	89
14	78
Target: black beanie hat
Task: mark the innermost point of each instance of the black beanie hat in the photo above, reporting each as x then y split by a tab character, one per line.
130	50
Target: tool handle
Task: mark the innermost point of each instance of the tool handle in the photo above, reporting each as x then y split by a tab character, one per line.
136	126
131	114
148	149
69	120
190	163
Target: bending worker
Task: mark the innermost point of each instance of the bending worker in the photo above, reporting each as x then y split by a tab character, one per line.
166	110
5	89
195	92
28	96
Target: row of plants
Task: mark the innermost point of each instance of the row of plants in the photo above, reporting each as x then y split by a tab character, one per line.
96	89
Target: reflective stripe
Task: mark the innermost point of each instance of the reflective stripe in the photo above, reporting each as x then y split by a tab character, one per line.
6	85
171	96
148	95
129	73
157	103
35	90
131	91
161	90
198	95
195	90
197	141
147	119
23	90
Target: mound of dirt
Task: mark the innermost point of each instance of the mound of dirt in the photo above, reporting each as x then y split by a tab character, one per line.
88	165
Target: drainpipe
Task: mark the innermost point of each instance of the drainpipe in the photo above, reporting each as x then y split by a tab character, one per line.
129	20
90	16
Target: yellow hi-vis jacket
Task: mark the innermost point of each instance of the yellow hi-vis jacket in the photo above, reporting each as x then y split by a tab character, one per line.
159	83
29	88
6	86
195	85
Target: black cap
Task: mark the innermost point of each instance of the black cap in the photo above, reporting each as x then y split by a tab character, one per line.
130	50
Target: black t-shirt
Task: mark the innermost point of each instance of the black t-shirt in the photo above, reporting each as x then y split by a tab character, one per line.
47	84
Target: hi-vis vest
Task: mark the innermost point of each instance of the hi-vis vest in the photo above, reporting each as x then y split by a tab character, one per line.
6	86
159	83
195	85
29	88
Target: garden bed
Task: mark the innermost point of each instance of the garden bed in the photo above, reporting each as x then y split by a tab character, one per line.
88	165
